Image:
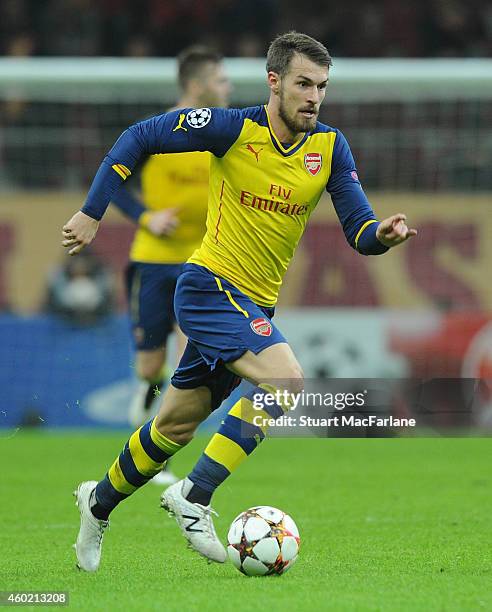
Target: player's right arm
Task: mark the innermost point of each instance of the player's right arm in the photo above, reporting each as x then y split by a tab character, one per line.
173	132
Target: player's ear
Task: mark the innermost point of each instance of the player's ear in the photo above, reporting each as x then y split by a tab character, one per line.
273	80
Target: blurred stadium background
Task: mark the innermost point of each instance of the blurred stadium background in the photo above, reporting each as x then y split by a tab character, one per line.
411	90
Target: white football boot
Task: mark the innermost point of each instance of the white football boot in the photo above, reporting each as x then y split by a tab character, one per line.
89	539
195	522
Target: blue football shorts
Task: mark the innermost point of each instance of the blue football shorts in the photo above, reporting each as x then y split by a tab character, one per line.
221	324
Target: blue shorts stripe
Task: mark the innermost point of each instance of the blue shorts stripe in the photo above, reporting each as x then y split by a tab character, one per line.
129	469
242	433
152	450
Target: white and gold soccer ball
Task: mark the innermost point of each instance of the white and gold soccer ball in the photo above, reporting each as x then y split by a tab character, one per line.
263	541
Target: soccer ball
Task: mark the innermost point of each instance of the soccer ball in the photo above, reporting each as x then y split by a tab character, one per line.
263	541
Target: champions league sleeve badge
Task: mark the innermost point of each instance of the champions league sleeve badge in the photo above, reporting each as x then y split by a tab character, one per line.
198	117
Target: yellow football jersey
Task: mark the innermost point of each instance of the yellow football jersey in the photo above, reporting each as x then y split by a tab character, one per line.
261	191
261	197
174	181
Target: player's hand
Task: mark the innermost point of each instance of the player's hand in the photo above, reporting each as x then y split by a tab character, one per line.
162	222
79	232
394	230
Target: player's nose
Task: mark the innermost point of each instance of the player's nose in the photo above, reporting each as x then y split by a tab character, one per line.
313	96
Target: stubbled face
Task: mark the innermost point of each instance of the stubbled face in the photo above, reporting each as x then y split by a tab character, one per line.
301	91
215	86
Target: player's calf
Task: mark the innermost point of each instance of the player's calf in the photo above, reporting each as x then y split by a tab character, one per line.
145	453
181	411
244	427
240	433
142	457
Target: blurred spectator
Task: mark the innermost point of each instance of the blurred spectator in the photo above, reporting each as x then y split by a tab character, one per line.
45	144
81	290
71	27
357	28
14	109
250	45
21	44
138	46
15	19
453	28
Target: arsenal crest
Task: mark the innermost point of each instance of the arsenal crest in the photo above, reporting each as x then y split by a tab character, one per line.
313	162
261	326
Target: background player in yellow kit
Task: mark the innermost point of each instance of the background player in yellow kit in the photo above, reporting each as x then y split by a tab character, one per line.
269	168
171	219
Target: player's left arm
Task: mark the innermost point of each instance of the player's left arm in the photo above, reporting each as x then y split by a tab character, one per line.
364	232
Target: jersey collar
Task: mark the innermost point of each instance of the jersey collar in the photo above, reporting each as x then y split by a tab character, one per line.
285	151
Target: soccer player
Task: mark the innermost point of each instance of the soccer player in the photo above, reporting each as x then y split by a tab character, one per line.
269	167
171	226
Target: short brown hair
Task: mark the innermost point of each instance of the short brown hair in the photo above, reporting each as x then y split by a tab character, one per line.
192	60
285	46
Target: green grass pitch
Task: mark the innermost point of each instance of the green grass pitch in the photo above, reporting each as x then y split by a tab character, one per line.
389	524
